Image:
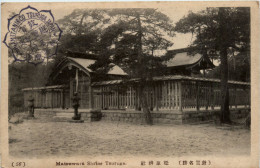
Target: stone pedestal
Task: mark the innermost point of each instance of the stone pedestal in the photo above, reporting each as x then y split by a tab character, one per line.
76	121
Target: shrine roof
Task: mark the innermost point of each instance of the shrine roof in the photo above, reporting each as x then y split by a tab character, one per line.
184	57
115	70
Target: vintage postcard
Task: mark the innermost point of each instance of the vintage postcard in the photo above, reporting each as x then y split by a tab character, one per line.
130	84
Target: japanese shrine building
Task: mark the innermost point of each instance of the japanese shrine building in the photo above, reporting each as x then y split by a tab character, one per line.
176	92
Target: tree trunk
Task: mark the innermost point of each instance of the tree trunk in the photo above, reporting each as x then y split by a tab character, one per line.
143	84
225	114
223	43
146	110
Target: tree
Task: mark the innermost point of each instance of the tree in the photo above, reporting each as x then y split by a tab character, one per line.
223	30
131	41
82	29
125	37
23	75
238	68
33	46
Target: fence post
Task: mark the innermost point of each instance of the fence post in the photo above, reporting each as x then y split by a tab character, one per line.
156	97
207	95
235	96
91	105
118	105
212	96
197	96
52	99
180	96
62	99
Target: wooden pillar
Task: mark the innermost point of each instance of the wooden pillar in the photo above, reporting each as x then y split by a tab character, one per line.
207	94
71	91
176	95
136	98
118	105
180	95
172	94
62	99
156	97
212	96
52	98
169	94
91	105
230	94
197	96
46	100
235	97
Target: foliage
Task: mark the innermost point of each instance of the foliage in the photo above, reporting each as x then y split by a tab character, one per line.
135	36
239	68
113	35
123	37
23	75
207	28
223	30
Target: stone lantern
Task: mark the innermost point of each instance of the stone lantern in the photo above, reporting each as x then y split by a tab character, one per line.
75	105
31	106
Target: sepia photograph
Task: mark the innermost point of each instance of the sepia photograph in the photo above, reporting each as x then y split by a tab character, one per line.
129	84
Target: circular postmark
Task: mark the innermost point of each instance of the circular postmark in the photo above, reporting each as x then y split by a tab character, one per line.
32	35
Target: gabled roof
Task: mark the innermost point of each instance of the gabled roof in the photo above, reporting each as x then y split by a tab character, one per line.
115	70
183	57
83	62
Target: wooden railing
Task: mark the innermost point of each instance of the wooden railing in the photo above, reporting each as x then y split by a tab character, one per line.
176	93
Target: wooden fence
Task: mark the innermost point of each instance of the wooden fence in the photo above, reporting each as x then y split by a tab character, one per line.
45	97
170	94
163	93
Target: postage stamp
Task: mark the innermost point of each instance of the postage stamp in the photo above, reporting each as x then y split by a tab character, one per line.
32	35
130	84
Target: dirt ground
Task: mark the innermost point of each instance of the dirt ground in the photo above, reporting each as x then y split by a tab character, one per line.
35	138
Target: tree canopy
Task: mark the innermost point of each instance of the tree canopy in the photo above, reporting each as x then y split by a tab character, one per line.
125	37
117	35
207	27
224	30
134	37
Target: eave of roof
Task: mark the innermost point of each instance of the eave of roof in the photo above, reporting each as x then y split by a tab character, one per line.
167	78
44	88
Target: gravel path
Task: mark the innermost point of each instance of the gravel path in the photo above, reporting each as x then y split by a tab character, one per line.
35	138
